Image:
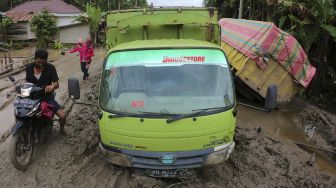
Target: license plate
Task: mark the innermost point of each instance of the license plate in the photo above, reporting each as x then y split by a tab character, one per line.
163	173
24	102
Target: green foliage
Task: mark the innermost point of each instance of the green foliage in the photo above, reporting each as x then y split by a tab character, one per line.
14	45
93	17
331	29
17	46
7	22
9	45
312	22
44	27
58	45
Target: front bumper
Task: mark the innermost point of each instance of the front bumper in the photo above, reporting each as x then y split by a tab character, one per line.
167	160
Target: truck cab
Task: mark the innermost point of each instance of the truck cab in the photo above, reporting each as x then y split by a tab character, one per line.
167	96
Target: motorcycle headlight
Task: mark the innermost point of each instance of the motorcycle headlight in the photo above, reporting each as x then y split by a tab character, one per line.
31	112
25	92
26	88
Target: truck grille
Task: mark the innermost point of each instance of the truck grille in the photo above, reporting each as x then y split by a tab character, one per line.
176	160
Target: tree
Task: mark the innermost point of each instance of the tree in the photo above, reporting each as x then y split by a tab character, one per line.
44	26
93	17
6	23
312	22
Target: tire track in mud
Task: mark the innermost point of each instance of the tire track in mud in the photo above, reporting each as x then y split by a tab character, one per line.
91	168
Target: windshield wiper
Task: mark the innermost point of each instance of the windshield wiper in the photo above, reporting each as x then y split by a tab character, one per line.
138	115
199	111
156	113
118	115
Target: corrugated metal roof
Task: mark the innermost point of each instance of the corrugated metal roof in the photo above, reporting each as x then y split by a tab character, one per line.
19	16
53	6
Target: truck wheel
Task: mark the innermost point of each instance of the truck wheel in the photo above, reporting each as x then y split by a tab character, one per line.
271	97
21	149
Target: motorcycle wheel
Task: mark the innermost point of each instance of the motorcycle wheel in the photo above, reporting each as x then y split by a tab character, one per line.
45	130
21	149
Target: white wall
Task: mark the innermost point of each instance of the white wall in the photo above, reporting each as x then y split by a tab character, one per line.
31	35
72	33
65	19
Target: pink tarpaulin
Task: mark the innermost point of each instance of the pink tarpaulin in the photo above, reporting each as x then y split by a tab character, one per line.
262	40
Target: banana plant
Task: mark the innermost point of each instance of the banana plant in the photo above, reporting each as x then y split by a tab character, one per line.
313	18
92	16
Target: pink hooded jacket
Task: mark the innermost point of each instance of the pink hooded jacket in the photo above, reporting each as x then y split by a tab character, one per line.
81	50
89	51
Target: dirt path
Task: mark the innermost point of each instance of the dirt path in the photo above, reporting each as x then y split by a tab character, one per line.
260	159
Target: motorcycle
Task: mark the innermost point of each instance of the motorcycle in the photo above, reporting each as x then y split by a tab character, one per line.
33	123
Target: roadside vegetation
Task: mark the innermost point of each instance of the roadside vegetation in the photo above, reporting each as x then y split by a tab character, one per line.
92	16
312	22
44	26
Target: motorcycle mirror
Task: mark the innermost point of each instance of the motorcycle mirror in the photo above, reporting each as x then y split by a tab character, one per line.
18	89
73	88
11	78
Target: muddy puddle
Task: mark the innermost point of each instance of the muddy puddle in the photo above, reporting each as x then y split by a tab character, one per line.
281	124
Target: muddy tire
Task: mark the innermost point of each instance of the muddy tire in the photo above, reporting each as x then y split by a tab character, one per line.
46	131
21	144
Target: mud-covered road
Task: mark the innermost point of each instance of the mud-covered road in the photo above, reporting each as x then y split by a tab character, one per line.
265	155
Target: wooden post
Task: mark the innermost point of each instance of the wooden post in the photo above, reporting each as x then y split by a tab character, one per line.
1	62
2	29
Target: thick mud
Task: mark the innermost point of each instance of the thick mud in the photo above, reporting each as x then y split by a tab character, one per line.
262	158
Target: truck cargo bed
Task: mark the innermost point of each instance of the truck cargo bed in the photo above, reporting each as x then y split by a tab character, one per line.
259	80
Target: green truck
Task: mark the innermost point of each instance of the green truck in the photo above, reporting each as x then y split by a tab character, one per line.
167	100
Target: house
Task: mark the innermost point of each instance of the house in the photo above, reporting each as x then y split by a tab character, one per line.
69	29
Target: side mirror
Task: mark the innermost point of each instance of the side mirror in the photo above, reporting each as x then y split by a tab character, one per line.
73	88
18	89
11	78
271	97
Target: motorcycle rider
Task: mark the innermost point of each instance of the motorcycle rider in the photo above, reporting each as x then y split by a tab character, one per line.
44	74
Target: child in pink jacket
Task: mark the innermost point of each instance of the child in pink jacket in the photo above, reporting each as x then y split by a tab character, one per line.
88	53
81	49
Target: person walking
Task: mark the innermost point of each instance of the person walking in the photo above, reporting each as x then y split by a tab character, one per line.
89	53
81	48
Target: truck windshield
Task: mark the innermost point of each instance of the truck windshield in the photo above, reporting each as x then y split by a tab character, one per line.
166	81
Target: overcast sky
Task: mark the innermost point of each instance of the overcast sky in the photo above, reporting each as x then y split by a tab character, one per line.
189	3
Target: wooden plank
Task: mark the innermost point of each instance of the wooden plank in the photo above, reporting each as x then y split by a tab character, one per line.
17	37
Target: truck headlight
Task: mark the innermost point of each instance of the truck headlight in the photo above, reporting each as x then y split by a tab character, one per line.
220	154
115	157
